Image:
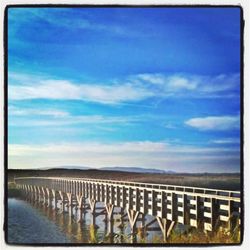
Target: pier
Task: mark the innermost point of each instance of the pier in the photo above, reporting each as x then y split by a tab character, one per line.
205	209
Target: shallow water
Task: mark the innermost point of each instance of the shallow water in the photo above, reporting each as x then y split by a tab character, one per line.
27	225
31	222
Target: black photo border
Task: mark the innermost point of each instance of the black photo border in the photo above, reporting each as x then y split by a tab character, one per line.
5	32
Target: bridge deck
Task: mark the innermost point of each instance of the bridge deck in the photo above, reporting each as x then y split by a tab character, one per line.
197	207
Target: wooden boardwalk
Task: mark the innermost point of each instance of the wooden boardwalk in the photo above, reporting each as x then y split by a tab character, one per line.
206	209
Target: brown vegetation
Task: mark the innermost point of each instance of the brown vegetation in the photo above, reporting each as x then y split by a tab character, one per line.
217	181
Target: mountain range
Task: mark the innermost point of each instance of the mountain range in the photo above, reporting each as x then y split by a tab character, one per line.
116	168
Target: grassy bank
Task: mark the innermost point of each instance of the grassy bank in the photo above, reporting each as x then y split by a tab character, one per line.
194	236
222	236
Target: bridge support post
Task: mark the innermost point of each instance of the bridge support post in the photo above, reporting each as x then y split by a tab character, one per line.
39	194
62	200
36	193
69	196
44	195
27	192
110	210
49	196
143	220
132	216
54	198
198	213
214	214
26	188
32	193
80	201
232	218
92	204
166	227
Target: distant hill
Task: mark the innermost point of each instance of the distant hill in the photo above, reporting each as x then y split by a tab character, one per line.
69	167
136	170
120	169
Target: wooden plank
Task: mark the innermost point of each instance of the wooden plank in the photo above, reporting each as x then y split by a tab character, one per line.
107	193
180	199
169	206
150	211
153	204
159	214
137	199
162	205
214	212
169	217
180	209
207	215
192	202
118	196
124	193
193	223
224	207
192	211
180	219
130	198
158	196
145	201
185	209
224	218
112	194
208	226
207	204
174	206
169	198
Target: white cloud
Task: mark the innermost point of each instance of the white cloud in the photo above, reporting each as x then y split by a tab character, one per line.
214	122
169	83
88	147
196	86
132	89
28	117
138	153
14	111
151	78
70	120
220	83
66	90
226	141
177	83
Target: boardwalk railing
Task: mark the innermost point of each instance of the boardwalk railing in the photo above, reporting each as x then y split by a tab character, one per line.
201	208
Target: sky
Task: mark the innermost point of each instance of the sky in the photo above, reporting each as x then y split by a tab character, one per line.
129	87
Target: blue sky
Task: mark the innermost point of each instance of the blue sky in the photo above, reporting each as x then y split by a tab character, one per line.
137	87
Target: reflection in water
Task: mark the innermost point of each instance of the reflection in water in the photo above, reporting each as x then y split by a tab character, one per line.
26	225
58	223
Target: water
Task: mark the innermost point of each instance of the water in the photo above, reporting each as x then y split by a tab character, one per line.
27	225
31	222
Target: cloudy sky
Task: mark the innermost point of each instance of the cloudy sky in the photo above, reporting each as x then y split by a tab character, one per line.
142	87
